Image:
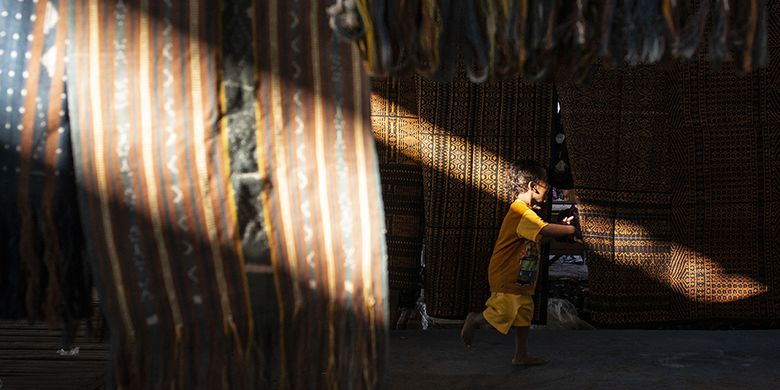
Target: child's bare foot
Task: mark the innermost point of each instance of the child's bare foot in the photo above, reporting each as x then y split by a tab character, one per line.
528	361
469	325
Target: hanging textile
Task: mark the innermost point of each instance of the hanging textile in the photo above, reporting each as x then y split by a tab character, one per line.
725	192
676	172
228	184
396	131
617	132
43	274
471	134
540	39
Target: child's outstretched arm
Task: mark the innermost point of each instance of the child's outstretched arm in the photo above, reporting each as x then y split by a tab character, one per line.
555	230
565	229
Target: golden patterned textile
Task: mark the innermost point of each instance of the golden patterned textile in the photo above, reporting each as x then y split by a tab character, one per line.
396	131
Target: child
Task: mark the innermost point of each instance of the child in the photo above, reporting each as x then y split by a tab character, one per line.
515	261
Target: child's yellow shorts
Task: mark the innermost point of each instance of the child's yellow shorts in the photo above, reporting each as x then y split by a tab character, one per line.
507	310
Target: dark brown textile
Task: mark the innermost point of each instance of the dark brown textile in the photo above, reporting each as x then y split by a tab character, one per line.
678	176
396	132
462	138
470	136
539	38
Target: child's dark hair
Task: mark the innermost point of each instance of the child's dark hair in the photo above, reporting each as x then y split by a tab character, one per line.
524	173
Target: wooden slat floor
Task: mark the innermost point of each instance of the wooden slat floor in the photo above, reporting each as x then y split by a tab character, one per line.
29	358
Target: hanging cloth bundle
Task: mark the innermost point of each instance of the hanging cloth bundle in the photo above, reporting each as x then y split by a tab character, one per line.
437	45
544	38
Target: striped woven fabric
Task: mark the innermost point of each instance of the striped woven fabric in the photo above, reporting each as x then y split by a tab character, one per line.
228	185
42	271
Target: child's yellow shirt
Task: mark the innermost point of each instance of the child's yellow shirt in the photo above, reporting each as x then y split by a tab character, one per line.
516	250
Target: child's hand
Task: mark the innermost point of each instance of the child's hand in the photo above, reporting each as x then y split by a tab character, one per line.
568	220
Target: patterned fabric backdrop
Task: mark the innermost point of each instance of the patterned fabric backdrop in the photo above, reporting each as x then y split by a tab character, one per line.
463	136
42	270
678	175
397	134
470	134
725	186
618	129
229	186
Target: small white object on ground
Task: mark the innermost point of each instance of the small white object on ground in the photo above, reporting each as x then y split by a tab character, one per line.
71	352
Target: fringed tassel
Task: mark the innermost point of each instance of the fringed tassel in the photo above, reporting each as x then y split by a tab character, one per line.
384	48
591	45
759	46
571	41
607	21
692	33
651	23
429	33
403	19
368	42
492	11
747	38
475	36
541	38
439	38
669	11
750	35
538	18
550	24
579	25
495	38
503	54
522	31
720	31
631	37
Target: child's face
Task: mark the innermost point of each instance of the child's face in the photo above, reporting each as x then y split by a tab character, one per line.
538	193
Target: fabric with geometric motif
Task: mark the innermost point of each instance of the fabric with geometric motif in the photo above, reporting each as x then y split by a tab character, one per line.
396	131
678	177
470	135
